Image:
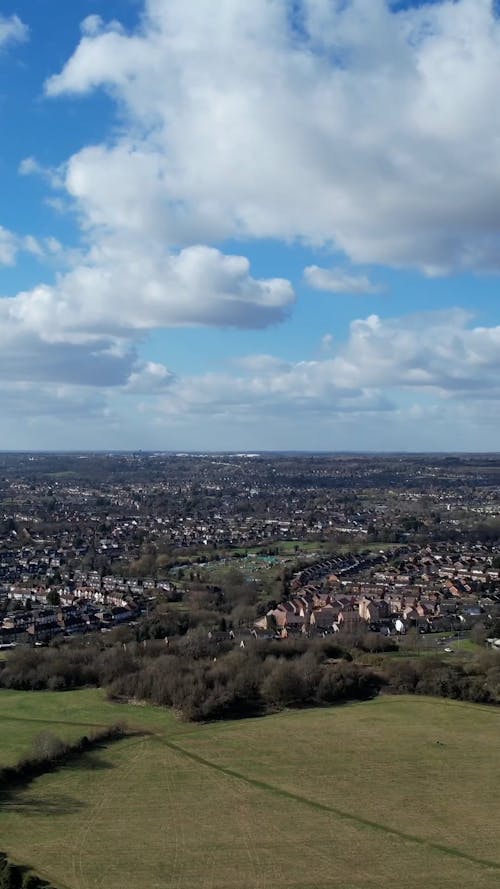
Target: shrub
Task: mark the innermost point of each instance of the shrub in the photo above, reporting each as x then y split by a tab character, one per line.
47	746
342	682
402	677
285	686
14	877
10	875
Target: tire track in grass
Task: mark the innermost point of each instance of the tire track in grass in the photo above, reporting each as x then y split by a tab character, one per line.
174	829
332	810
211	862
244	829
103	801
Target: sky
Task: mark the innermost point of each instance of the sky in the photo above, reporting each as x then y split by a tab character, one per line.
250	226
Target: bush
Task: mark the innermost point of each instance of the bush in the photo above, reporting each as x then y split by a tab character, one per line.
10	876
375	642
47	746
477	681
343	682
402	677
14	877
285	686
31	881
35	669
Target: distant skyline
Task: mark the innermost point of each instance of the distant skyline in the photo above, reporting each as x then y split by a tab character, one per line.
256	226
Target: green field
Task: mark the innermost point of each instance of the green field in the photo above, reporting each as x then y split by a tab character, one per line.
396	793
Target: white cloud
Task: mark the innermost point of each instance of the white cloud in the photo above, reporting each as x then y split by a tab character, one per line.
12	244
8	247
31	402
367	130
338	281
39	378
12	30
83	330
301	391
26	357
432	356
149	378
92	25
434	350
95	361
420	379
122	288
370	129
260	364
29	166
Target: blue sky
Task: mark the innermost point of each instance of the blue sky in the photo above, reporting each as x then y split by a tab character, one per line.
249	226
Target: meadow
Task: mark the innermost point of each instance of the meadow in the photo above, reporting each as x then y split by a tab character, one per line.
394	793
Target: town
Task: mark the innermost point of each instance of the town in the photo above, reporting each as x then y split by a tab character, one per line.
269	545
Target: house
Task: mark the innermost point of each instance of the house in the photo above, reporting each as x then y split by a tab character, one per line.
324	618
370	610
349	620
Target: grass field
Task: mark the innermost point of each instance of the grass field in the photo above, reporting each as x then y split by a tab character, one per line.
396	793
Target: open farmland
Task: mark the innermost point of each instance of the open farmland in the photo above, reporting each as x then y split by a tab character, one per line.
396	792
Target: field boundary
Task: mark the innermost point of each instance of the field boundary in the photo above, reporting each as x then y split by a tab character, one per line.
54	721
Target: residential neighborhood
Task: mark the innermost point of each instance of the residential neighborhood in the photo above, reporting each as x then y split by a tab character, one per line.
432	588
330	543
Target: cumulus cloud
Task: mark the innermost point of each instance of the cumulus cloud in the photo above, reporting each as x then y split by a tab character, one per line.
434	350
12	30
433	356
371	128
25	357
305	388
338	281
123	288
26	400
83	330
360	126
101	362
149	378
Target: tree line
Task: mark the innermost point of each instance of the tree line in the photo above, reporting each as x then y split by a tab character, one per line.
201	678
206	676
477	680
